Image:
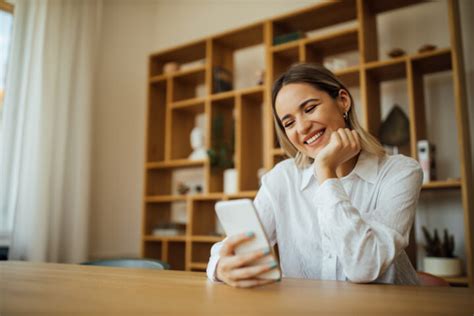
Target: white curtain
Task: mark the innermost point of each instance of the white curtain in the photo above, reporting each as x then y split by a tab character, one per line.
45	141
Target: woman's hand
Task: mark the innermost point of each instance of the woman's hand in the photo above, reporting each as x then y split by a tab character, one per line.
343	145
234	270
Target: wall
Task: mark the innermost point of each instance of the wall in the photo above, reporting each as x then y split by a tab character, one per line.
134	29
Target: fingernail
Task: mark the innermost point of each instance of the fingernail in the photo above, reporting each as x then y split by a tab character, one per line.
272	265
249	234
266	251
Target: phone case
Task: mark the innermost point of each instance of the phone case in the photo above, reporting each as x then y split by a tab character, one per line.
240	216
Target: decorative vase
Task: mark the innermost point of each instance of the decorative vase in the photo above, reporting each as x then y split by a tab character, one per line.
442	266
230	181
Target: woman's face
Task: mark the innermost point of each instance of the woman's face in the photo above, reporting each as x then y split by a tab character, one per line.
309	115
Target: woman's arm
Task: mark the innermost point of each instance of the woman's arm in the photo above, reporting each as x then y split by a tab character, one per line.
366	244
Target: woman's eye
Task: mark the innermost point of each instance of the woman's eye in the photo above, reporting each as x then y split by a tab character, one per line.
288	124
310	108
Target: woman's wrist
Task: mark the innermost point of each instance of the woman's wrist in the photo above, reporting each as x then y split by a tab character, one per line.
324	173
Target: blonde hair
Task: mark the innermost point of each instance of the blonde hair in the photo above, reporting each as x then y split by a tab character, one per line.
323	80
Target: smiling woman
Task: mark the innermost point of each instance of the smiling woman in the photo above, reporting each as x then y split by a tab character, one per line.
341	209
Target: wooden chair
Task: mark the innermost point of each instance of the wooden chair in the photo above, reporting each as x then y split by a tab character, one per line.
427	279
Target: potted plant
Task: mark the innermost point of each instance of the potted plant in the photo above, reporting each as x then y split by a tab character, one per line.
440	259
221	155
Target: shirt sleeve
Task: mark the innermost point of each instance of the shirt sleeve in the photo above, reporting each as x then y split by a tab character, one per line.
264	205
367	242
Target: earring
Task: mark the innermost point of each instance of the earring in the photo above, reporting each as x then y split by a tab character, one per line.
345	116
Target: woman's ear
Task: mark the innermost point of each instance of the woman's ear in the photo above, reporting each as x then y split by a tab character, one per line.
344	101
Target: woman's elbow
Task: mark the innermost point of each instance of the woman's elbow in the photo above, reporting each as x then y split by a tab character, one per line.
362	274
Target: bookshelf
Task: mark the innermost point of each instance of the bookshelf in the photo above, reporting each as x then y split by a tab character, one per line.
174	102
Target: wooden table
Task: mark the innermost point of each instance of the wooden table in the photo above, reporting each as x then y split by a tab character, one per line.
61	289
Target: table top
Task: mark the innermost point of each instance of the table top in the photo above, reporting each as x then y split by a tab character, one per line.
64	289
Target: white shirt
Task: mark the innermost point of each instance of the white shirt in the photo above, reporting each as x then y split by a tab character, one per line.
352	228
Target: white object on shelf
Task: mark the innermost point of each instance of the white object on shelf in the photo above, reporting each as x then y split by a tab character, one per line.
426	157
197	139
230	181
446	267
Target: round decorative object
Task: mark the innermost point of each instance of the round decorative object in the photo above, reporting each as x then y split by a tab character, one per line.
170	67
447	267
426	48
396	52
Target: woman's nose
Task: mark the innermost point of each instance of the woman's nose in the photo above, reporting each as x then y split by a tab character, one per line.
302	126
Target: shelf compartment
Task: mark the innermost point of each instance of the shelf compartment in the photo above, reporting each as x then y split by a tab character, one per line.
183	119
176	254
156	121
222	136
319	16
201	251
203	218
187	83
283	59
432	62
250	140
447	184
153	249
181	54
342	44
156	214
157	182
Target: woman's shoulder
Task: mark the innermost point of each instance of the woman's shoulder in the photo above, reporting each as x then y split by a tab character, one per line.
399	165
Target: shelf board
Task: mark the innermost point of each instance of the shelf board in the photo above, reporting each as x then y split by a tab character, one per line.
442	184
195	105
386	70
207	239
178	163
378	6
165	198
233	93
164	238
207	196
350	76
316	17
242	195
287	46
182	53
463	280
198	265
334	43
194	71
433	61
250	35
159	78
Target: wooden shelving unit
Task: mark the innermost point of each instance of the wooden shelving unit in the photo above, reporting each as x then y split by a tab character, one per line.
173	103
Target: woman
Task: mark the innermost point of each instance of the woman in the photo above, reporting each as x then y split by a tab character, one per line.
341	209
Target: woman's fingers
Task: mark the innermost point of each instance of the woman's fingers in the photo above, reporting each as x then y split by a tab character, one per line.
243	260
250	272
233	241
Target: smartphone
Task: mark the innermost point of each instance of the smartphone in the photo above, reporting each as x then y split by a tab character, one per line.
240	216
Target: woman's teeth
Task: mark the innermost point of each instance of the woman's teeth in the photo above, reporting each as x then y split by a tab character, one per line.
314	138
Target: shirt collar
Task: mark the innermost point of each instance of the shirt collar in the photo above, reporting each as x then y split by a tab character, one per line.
366	168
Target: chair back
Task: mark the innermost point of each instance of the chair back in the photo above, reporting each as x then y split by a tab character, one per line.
130	263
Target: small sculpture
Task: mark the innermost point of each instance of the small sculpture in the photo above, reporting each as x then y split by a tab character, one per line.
197	140
426	48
